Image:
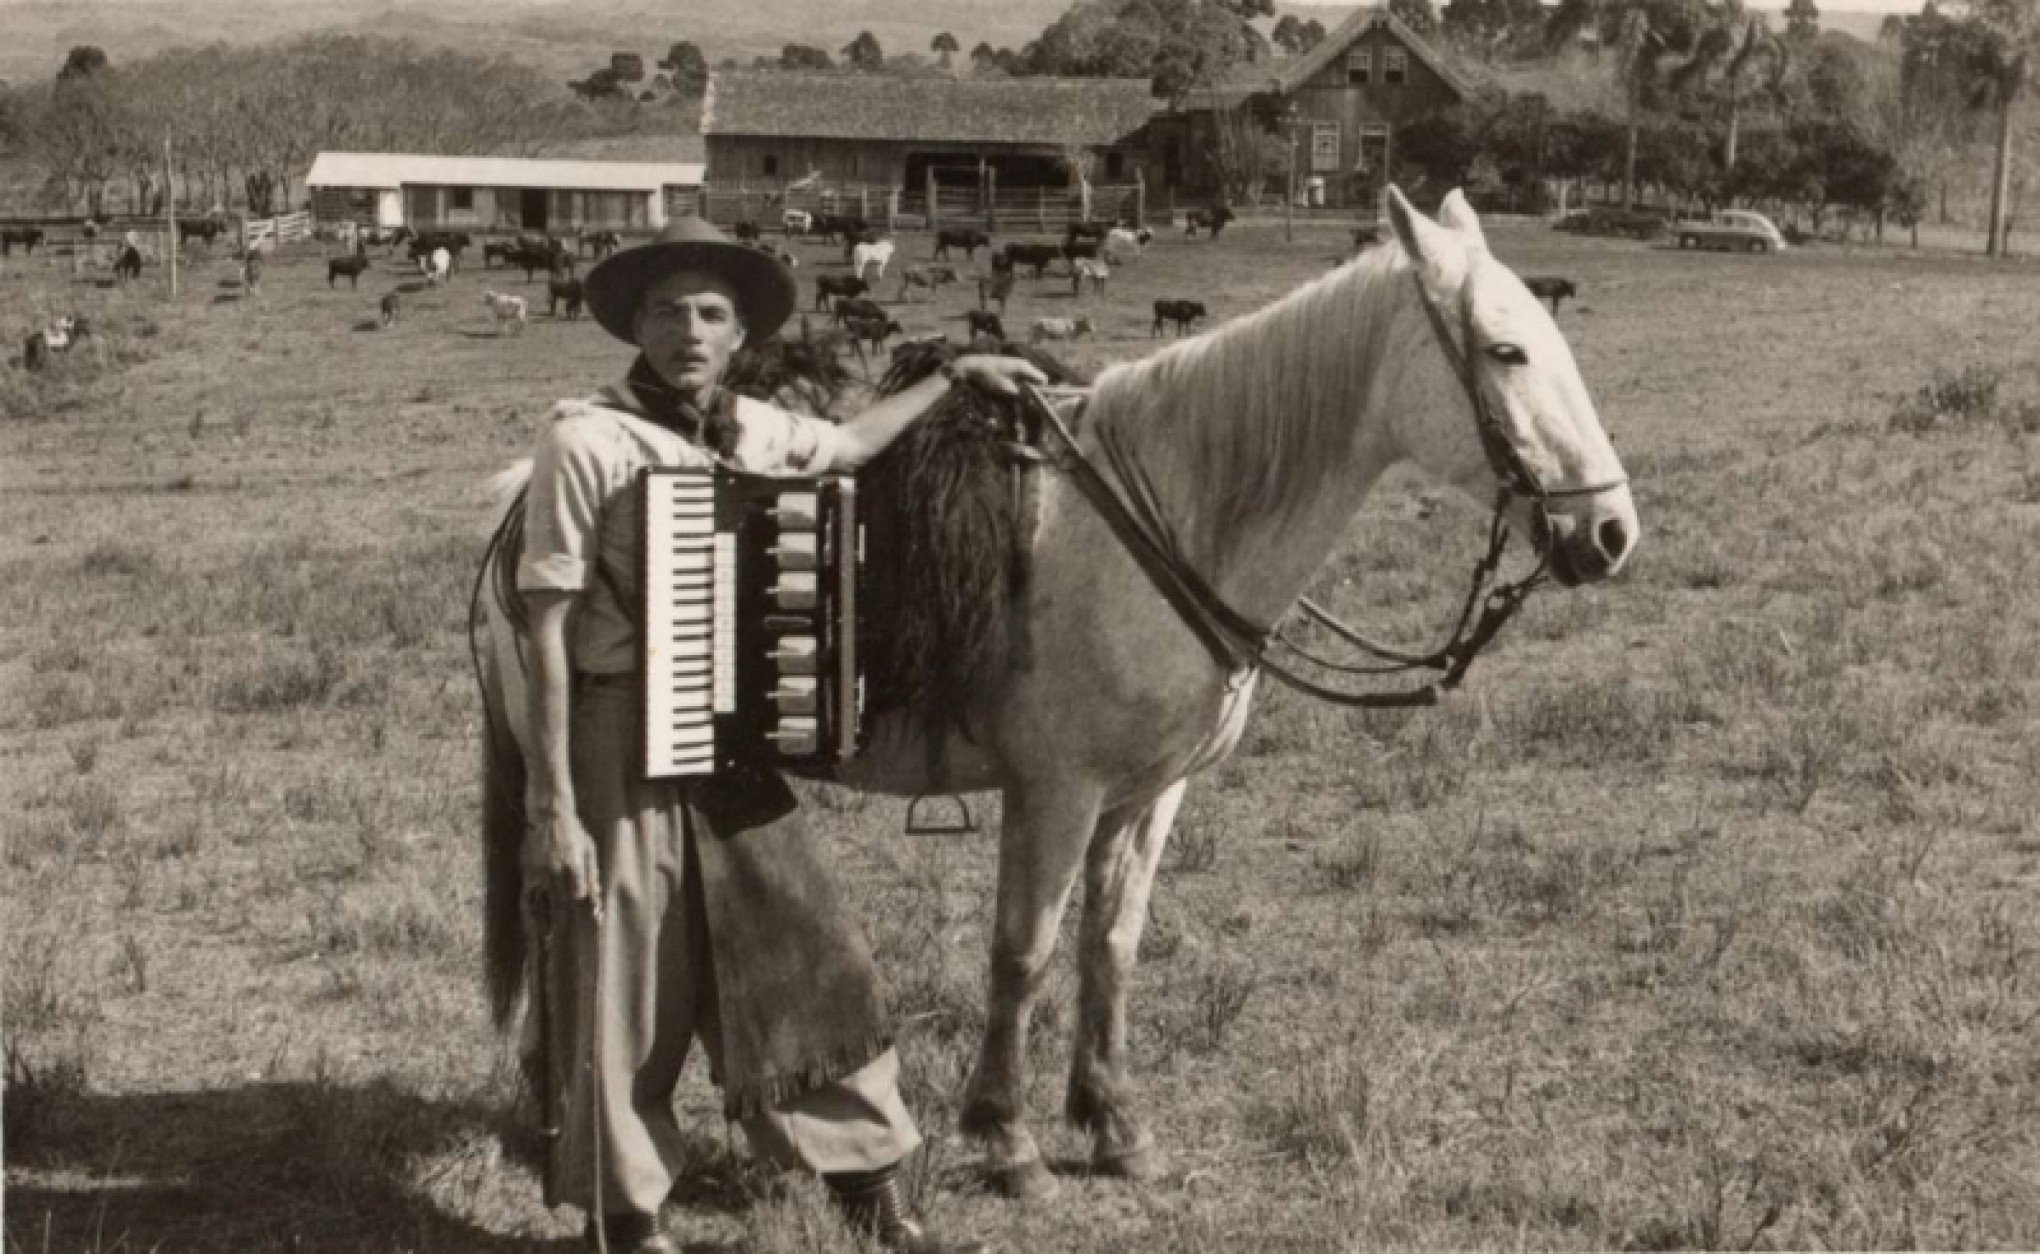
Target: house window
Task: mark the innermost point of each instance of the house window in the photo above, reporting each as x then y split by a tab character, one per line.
1394	65
768	165
1359	66
1115	165
460	199
1324	147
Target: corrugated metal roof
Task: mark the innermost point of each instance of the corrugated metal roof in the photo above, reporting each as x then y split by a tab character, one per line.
393	169
938	108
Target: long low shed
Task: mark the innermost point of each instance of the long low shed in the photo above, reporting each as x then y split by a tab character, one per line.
501	193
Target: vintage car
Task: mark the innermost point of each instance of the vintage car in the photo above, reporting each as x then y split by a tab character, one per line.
1735	230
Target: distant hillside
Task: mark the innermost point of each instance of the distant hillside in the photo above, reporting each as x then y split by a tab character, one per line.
562	37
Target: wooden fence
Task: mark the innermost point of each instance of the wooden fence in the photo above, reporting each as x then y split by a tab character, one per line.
270	232
1043	209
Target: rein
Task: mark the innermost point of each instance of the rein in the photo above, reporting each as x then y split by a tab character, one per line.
1133	511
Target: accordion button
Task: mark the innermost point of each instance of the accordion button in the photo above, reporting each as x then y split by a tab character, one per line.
795	552
796	737
795	695
795	591
797	510
795	655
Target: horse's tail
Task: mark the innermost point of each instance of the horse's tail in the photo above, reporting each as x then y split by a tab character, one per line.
494	622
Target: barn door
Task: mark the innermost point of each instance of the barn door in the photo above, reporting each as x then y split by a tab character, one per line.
534	208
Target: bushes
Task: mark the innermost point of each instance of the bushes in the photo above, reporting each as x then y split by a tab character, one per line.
1961	400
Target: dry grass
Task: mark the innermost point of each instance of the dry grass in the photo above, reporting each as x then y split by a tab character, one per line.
1703	919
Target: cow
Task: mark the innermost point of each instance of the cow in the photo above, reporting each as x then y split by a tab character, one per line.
350	266
996	287
600	243
1123	245
872	331
982	323
26	236
835	226
505	250
929	277
1213	219
796	221
563	289
850	307
507	309
1080	250
746	232
1553	289
829	287
968	240
57	337
1080	232
388	307
876	252
1059	329
452	243
1178	314
1040	256
436	266
1086	268
204	230
129	264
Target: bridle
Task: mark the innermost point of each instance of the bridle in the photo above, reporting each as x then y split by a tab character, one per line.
1133	510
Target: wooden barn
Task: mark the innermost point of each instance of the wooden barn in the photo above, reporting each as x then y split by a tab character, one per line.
501	193
1340	104
983	147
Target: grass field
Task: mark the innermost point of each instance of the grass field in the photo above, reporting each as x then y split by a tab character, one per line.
1704	918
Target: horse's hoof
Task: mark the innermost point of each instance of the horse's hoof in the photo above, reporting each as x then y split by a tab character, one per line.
1027	1181
1141	1161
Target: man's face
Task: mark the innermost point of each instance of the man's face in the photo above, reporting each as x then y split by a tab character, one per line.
687	326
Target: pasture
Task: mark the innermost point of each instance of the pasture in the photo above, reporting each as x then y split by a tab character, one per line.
1702	917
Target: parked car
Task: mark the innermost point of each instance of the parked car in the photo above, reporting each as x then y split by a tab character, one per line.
1736	230
1640	222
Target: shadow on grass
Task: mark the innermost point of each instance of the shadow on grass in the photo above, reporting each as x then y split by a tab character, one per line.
305	1167
226	298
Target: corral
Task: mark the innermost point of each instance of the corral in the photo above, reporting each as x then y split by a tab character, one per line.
1702	918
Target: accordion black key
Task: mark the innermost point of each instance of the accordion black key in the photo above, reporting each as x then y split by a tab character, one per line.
748	652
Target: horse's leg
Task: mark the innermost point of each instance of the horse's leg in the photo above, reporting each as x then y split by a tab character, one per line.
1041	840
1119	873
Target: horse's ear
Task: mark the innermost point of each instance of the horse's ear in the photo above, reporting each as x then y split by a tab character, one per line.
1456	214
1428	245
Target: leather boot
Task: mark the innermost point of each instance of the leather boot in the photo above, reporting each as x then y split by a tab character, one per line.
873	1207
629	1232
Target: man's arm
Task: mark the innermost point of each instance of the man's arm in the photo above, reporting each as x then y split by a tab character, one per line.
556	844
866	436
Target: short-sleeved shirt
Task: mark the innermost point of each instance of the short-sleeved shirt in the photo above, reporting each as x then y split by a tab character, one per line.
583	520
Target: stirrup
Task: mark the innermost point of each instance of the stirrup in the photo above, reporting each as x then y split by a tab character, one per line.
966	825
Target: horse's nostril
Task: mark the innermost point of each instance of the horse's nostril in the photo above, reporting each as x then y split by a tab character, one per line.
1613	539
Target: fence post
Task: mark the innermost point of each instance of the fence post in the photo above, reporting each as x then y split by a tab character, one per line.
1139	198
892	209
863	205
934	220
991	198
1041	208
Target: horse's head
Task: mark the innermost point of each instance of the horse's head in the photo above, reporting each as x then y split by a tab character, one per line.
1526	423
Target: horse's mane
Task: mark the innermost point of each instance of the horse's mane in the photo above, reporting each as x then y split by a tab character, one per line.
944	544
1254	414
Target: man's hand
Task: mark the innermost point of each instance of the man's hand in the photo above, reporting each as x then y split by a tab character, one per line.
1001	376
558	850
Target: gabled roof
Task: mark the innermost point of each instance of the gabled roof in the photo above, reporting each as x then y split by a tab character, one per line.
1049	111
1299	70
394	169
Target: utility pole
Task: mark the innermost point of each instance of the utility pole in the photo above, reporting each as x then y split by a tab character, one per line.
170	212
1289	200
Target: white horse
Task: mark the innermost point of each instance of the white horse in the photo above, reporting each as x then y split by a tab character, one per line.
507	310
877	253
1257	442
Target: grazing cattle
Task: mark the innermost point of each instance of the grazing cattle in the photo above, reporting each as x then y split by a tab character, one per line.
829	287
57	337
1178	314
452	243
930	277
1002	261
982	323
995	288
1094	232
351	266
1085	268
748	232
507	309
774	251
1058	329
857	307
1122	245
204	230
568	290
598	243
129	264
871	253
505	250
1552	289
26	236
436	266
843	226
1040	256
968	240
872	331
796	221
1212	219
1080	250
389	307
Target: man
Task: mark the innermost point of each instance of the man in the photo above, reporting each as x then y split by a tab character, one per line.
699	909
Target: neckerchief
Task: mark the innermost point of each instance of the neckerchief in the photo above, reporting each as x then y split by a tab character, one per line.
713	426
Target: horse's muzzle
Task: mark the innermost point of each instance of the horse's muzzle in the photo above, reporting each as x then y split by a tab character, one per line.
1592	541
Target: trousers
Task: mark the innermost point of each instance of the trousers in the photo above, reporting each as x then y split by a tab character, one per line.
618	1049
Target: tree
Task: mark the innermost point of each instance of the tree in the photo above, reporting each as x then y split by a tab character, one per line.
601	85
1418	15
83	62
1802	21
1732	47
628	67
802	57
689	68
1176	45
944	46
1245	154
1297	37
863	53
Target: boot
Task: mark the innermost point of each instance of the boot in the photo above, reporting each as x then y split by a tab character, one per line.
630	1232
872	1206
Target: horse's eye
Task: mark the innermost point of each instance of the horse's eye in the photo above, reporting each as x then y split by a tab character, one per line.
1507	355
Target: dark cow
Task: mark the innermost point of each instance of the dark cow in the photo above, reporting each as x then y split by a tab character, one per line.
982	323
833	226
960	237
499	250
854	307
1553	289
1095	232
1212	219
58	337
872	331
352	266
26	236
1177	313
1040	256
567	290
996	288
747	232
129	265
204	230
829	287
1001	263
1075	250
425	242
600	243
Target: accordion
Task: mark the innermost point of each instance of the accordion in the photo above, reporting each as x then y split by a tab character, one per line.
748	652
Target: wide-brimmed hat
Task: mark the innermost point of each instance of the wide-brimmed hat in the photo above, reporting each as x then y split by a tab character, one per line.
765	290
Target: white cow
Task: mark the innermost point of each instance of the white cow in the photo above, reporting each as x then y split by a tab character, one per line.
1058	329
797	221
508	309
436	266
863	255
1122	245
1088	268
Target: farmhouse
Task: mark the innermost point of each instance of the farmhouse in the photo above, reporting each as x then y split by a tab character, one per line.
1340	105
975	144
500	193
